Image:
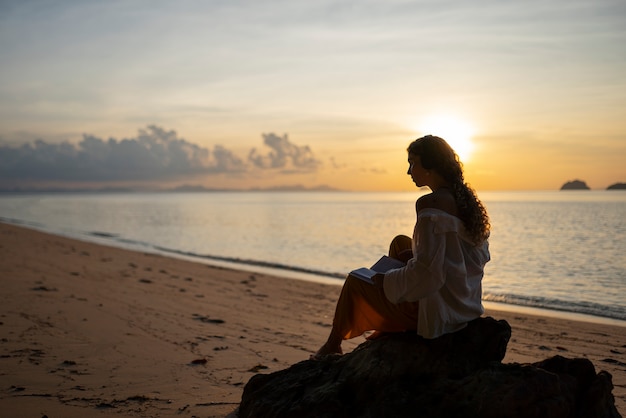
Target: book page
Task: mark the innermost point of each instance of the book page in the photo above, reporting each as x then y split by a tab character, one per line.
382	265
387	263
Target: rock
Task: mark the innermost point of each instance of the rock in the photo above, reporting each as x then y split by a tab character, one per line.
617	186
575	185
456	375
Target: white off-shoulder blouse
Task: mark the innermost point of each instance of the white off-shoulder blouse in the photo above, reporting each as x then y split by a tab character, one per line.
444	275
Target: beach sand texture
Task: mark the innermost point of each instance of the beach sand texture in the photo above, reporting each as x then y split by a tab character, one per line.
90	330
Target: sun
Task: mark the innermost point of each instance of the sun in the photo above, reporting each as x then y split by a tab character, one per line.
455	131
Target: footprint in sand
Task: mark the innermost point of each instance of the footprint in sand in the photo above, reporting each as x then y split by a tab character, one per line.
613	361
257	368
44	289
208	320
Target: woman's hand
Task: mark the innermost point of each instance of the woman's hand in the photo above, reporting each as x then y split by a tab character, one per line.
378	280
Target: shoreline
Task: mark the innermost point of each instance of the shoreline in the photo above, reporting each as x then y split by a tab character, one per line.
94	330
287	272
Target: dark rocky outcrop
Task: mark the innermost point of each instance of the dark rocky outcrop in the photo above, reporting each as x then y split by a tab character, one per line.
575	185
617	186
457	375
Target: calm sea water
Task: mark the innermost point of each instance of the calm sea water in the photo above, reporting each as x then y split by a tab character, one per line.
556	250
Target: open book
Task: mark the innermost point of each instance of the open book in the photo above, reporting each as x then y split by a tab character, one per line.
382	265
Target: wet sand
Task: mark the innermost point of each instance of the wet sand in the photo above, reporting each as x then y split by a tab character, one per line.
91	330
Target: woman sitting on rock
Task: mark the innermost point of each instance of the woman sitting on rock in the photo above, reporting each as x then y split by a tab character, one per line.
439	290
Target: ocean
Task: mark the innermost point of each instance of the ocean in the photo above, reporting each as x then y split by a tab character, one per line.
557	250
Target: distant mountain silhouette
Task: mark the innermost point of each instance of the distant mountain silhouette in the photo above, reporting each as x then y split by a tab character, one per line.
185	188
575	185
286	188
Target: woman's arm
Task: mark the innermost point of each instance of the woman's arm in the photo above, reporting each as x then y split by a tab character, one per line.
425	273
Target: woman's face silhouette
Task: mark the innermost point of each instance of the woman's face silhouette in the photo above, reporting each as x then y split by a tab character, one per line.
418	174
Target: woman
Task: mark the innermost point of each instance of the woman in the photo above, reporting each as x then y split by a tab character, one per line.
439	290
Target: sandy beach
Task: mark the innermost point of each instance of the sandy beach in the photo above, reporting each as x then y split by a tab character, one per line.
91	330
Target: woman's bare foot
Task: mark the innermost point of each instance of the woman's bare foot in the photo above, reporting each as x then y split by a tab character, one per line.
376	335
325	350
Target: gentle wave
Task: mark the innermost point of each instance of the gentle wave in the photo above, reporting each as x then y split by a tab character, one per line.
257	263
203	257
583	307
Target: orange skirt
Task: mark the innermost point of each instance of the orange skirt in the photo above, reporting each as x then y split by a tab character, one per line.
362	307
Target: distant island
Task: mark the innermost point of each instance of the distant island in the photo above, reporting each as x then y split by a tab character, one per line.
581	185
617	186
575	185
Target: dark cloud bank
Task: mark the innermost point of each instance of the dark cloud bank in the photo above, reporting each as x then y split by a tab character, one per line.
154	155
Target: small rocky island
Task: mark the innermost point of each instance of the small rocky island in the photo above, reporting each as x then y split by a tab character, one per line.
581	185
575	185
617	186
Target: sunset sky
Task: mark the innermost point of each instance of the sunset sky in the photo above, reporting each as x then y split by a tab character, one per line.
241	94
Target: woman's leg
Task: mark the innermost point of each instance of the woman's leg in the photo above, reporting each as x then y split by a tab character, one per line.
401	248
362	307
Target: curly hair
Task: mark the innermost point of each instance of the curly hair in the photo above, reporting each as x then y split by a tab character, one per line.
436	154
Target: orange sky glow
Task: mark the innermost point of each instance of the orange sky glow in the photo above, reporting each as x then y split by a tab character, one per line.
230	95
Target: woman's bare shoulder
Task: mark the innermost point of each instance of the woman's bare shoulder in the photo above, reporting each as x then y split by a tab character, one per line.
442	200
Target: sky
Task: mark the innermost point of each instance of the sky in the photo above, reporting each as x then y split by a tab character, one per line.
256	94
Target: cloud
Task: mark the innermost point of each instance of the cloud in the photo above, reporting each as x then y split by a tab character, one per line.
154	155
284	155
